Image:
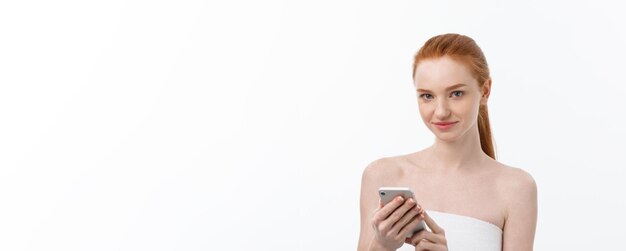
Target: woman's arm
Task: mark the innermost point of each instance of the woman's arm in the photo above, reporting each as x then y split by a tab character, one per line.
521	217
368	204
380	223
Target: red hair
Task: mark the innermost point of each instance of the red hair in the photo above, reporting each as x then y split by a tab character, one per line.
464	50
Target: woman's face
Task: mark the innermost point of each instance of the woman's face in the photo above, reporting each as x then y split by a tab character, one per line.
448	97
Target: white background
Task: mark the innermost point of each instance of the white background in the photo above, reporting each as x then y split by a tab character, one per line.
194	125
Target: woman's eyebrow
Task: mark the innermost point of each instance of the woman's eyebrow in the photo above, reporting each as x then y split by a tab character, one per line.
447	89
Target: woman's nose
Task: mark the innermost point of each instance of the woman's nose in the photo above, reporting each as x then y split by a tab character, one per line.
442	110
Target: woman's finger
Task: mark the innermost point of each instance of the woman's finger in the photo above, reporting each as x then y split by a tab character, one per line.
427	245
398	214
406	219
415	221
384	211
433	225
429	236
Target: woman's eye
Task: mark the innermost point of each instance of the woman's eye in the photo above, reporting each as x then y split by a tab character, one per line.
457	93
426	96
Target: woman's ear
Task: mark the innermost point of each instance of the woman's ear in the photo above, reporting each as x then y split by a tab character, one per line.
485	91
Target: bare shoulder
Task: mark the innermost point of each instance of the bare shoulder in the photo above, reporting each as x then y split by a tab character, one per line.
381	172
514	179
384	170
516	187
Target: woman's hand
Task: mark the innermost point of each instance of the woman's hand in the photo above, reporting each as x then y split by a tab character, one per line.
432	241
392	222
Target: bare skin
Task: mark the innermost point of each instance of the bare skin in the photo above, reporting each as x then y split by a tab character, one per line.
453	175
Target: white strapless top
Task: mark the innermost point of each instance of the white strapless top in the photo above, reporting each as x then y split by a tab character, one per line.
466	233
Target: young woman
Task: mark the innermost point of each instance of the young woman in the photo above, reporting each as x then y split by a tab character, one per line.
468	200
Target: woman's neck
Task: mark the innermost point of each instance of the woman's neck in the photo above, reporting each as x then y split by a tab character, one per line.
462	153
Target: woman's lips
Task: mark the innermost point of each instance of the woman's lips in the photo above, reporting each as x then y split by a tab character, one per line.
444	125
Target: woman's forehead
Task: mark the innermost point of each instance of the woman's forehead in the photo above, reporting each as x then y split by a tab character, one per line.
439	73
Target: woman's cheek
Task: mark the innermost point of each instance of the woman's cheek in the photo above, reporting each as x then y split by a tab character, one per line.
425	110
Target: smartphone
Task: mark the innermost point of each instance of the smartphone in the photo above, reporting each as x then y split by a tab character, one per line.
388	193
